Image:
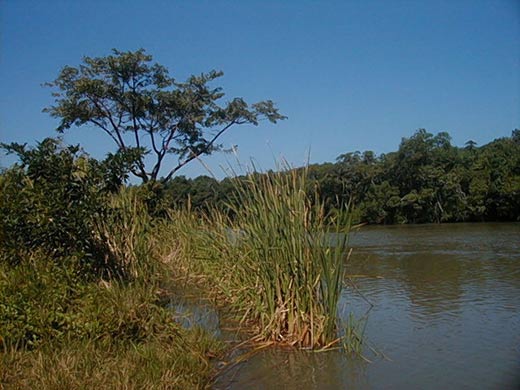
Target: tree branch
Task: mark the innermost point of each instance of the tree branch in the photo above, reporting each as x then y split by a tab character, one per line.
194	155
102	127
107	115
119	140
164	149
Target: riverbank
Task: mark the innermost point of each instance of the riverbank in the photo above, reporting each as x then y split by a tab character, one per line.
62	332
82	277
84	280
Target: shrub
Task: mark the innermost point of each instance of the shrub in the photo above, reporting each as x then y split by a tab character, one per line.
50	201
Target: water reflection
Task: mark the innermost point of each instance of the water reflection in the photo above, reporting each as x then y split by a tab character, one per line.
433	284
195	312
297	370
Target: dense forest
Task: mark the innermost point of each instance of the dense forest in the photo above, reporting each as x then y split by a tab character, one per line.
427	180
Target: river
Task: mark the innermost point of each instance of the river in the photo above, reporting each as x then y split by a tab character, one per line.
441	305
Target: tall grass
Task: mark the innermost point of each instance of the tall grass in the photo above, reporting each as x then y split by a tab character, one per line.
58	331
125	231
273	261
63	329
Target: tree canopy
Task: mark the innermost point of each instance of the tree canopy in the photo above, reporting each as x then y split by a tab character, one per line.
426	180
145	111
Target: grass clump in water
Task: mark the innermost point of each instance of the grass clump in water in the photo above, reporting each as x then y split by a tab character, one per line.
279	260
354	335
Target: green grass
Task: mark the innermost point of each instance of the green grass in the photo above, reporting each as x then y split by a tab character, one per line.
88	364
62	328
58	332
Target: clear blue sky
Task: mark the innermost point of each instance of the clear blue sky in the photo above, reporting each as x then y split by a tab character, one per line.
350	75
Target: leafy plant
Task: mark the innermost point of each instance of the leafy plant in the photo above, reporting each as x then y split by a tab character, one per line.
48	202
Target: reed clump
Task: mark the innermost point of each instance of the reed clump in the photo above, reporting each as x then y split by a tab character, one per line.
125	232
275	256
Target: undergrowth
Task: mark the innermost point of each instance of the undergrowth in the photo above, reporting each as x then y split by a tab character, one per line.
62	327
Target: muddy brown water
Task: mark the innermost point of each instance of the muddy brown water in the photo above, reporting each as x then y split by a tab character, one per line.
442	310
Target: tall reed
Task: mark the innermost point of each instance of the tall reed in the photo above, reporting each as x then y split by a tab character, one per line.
274	260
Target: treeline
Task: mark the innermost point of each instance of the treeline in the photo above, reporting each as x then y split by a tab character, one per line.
427	180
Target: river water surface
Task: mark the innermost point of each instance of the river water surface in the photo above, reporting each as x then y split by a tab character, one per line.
442	309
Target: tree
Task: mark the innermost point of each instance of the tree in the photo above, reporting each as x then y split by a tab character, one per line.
470	145
146	112
515	136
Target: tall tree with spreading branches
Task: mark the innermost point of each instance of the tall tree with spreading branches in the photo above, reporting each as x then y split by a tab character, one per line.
146	112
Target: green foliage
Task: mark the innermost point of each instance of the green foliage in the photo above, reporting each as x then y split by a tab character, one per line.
432	181
426	180
44	301
63	326
35	298
59	331
146	112
60	201
50	295
199	194
48	202
125	229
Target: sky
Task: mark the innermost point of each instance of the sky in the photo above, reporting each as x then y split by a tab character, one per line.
349	75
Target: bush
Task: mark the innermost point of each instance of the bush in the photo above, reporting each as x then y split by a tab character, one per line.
50	202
